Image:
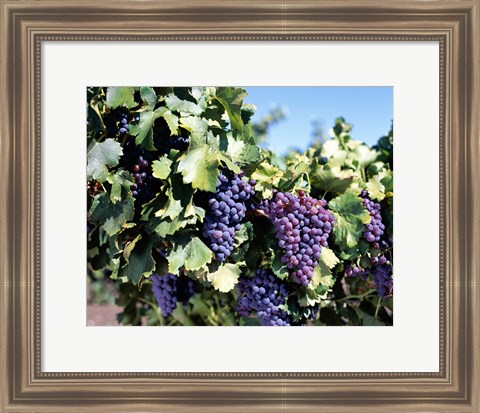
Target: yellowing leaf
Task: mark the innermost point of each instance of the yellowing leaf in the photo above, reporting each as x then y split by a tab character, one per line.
329	257
226	277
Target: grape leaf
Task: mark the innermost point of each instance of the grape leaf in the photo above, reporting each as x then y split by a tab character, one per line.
169	226
130	246
111	217
175	104
231	99
267	177
197	255
172	122
329	257
140	261
192	254
100	157
143	131
199	167
326	180
226	277
179	314
149	96
198	127
121	96
118	180
367	319
278	267
322	276
250	155
162	168
350	218
235	148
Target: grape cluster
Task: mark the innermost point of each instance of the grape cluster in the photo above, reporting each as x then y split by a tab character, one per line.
380	272
169	289
226	210
382	277
137	161
117	122
373	230
263	294
140	174
302	226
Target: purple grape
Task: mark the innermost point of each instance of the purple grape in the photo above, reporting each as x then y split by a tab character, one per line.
263	294
169	289
226	210
302	227
375	228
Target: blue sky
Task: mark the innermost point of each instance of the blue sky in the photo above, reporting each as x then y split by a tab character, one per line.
369	109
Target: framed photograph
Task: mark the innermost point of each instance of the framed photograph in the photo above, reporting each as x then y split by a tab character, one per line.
247	175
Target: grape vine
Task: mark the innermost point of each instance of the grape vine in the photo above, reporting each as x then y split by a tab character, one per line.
194	222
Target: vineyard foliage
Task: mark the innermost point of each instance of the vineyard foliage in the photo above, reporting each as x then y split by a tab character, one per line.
195	223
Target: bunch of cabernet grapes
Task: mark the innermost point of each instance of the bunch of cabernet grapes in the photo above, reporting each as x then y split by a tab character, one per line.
382	277
263	294
117	122
374	230
380	271
302	226
140	173
169	289
138	162
227	210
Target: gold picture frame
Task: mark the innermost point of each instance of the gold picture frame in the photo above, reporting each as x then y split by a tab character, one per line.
455	25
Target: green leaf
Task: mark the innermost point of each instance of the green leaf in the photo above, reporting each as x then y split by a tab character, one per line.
172	209
350	218
278	267
100	157
367	319
180	315
175	104
268	177
199	167
172	122
231	99
120	179
226	277
162	168
235	148
326	180
170	227
250	155
380	186
121	96
199	307
140	262
149	96
322	276
193	255
198	127
129	247
198	255
112	217
143	130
